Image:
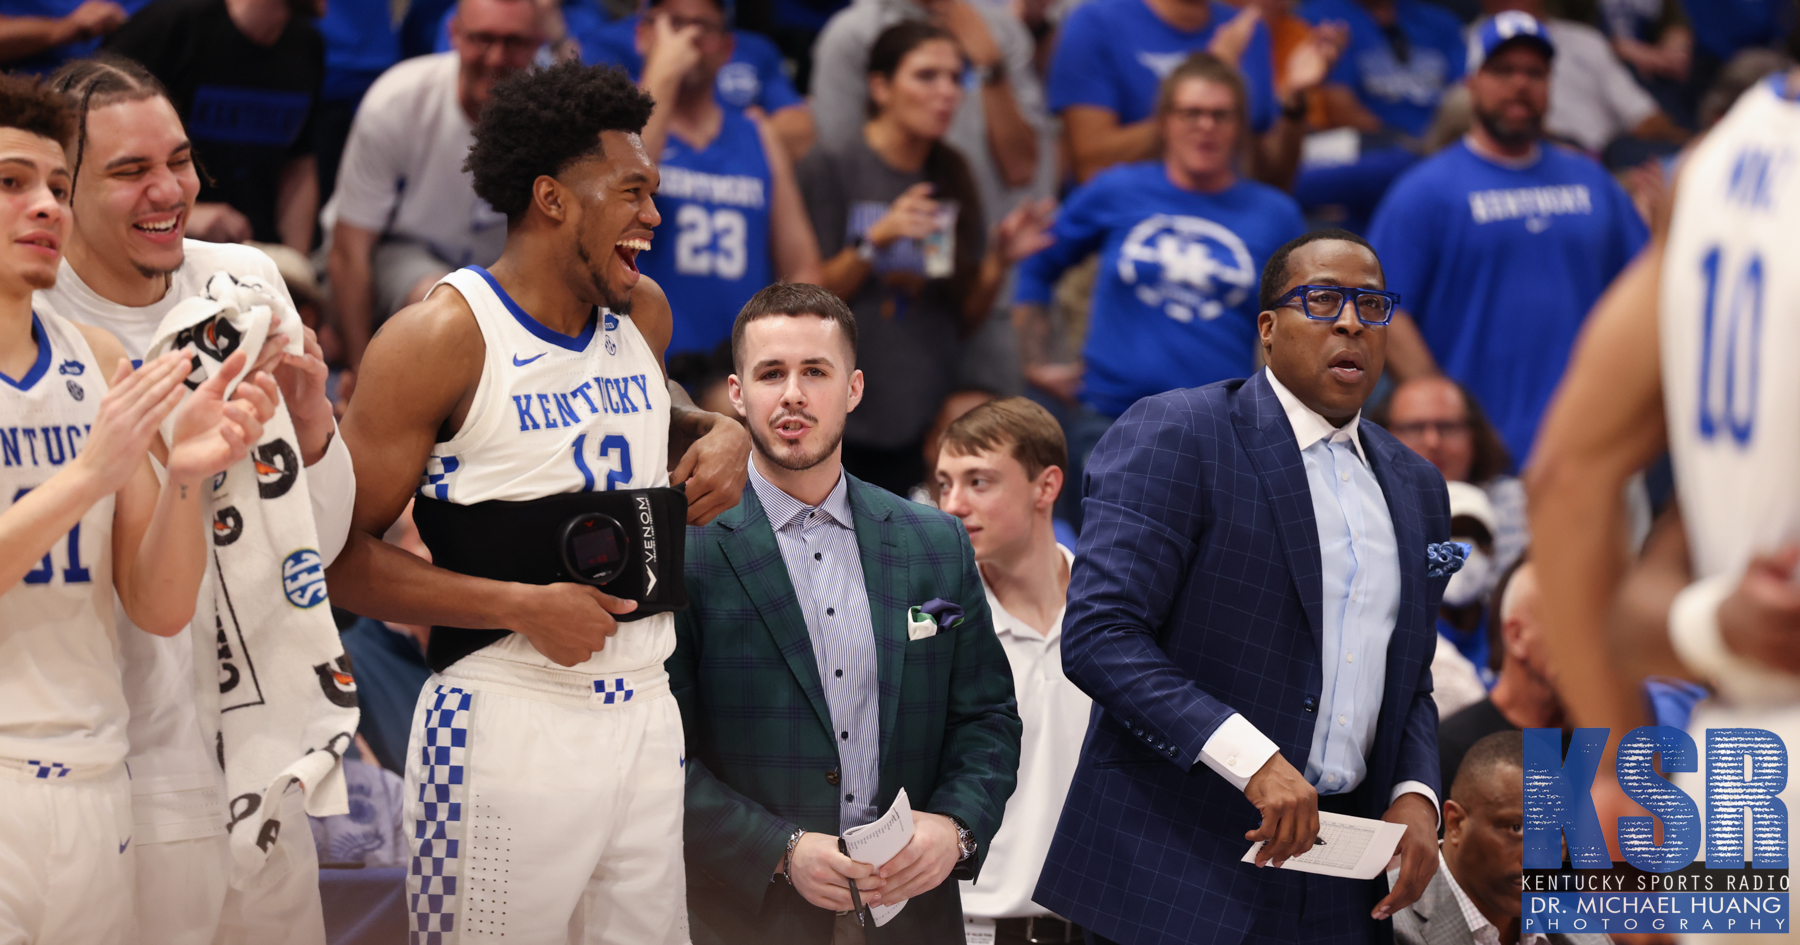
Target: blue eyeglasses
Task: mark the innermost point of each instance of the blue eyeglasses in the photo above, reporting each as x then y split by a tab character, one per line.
1323	303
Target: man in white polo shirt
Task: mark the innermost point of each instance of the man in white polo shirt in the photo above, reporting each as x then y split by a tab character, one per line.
405	213
999	470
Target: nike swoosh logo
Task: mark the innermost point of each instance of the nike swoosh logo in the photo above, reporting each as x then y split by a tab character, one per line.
519	363
122	846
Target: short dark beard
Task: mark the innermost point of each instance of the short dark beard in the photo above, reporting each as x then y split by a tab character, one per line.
597	278
763	447
1510	137
153	272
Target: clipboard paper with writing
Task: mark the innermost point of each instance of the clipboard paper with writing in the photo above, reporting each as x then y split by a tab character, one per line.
876	843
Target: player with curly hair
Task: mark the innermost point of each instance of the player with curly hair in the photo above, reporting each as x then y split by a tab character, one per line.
545	774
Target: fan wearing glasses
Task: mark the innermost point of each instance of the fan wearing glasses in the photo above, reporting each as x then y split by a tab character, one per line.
1443	422
1253	616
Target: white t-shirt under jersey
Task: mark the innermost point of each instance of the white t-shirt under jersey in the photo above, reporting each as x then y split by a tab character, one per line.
63	706
175	779
402	173
1729	316
554	414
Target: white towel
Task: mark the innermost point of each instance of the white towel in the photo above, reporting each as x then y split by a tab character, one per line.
282	703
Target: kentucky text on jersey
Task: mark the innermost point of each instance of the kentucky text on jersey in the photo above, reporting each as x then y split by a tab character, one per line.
1488	206
600	395
21	444
738	190
1754	175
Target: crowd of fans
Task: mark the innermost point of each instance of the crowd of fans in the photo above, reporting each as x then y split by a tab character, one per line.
1070	200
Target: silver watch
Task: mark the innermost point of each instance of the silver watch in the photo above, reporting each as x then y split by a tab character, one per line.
965	838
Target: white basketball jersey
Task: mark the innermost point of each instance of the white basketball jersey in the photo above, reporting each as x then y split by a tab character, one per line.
555	414
1730	315
169	751
64	705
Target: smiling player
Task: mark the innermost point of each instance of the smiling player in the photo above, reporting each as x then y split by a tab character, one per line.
545	378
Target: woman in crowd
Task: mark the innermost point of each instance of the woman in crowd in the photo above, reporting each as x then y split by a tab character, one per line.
904	243
1442	422
1182	241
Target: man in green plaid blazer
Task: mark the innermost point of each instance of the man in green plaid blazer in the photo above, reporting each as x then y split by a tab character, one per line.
806	712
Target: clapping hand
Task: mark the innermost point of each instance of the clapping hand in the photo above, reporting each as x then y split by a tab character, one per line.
211	433
1312	60
1231	39
129	415
1025	231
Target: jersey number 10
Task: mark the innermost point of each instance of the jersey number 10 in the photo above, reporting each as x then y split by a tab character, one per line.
74	573
1730	349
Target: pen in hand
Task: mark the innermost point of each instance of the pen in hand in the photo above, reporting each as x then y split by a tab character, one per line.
855	896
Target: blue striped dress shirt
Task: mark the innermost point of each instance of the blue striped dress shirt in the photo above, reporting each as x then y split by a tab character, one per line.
824	563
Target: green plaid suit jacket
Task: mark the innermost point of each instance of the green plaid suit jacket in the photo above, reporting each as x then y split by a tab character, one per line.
759	736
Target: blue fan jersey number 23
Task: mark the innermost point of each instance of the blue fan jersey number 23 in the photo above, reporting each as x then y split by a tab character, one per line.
613	458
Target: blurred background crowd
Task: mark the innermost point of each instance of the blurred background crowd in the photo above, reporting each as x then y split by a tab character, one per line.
1070	200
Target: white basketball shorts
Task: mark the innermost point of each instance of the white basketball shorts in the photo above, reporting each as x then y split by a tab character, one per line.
66	860
545	807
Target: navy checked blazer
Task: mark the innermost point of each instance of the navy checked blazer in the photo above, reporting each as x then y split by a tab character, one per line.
762	753
1197	593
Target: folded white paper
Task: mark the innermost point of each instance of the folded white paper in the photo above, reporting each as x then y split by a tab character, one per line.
876	843
1351	847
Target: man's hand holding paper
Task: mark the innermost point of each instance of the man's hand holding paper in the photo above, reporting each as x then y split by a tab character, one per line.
1290	811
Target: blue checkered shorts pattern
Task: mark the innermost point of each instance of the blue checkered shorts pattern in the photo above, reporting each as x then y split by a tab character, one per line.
613	693
432	884
51	769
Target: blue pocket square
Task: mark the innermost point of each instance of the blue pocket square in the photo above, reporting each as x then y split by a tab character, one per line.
926	620
946	613
1445	558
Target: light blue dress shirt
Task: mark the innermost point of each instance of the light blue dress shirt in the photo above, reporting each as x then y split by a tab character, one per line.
824	563
1359	561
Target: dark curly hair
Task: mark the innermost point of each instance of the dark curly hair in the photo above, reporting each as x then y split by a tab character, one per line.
27	105
539	122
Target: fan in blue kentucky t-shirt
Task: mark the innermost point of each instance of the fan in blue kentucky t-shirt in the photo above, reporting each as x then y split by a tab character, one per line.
1175	299
1114	54
1499	265
1398	73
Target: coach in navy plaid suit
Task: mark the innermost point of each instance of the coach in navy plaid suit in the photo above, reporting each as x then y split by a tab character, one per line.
1252	611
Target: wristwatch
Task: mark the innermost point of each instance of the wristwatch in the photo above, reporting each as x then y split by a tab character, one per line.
1296	111
865	249
992	74
965	839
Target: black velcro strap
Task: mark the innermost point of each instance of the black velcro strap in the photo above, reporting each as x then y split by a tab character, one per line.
521	542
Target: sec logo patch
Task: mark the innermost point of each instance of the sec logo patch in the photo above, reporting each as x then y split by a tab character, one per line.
303	578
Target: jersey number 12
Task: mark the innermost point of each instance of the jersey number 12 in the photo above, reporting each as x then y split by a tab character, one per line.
1730	348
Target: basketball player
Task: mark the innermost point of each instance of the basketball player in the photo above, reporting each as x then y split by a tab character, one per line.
545	776
127	265
1686	352
85	516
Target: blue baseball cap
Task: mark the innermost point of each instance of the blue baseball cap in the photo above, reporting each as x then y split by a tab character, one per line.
1502	28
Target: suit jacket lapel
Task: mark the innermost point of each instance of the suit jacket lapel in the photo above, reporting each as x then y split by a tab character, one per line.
1409	541
1441	918
749	544
884	561
1264	430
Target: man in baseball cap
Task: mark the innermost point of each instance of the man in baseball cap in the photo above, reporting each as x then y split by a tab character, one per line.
1499	244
